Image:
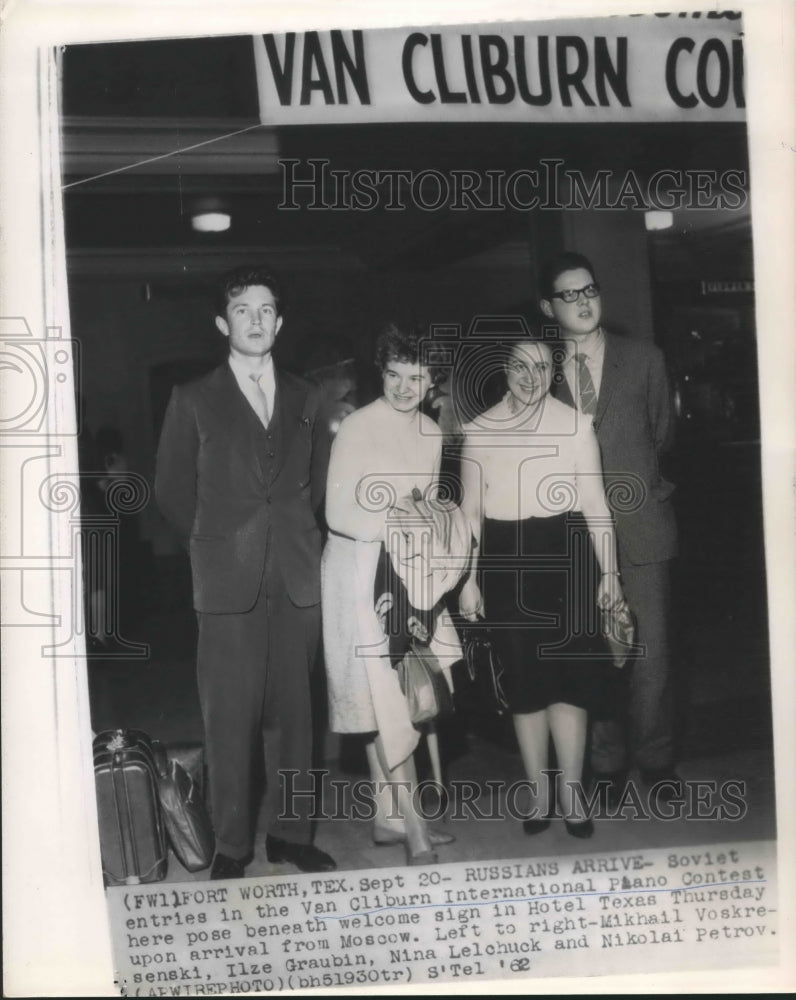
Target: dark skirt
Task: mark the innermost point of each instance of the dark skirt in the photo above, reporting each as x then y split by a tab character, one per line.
539	580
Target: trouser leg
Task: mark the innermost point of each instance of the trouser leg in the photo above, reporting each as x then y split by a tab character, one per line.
231	670
644	722
651	707
286	713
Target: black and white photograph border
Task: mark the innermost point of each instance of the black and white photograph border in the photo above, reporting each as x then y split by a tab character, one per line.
67	675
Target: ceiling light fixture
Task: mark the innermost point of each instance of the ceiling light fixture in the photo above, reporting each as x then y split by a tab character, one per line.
210	215
658	220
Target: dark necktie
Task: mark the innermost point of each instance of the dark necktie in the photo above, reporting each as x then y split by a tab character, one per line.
588	395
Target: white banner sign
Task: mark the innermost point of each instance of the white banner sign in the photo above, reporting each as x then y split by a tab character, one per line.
650	67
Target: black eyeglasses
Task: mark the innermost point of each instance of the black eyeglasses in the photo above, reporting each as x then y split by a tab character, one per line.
573	294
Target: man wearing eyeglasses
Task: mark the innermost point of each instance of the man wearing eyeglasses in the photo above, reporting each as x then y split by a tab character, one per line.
621	385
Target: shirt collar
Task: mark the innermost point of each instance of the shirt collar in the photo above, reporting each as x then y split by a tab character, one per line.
243	371
589	346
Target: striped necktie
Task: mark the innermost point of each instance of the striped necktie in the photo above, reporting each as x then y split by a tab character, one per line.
260	400
588	395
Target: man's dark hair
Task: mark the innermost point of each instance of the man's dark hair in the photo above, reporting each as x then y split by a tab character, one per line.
556	266
409	343
235	281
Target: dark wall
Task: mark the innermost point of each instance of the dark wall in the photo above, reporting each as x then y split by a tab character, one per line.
137	336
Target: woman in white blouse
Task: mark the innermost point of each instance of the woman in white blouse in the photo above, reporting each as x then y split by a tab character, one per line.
533	490
381	453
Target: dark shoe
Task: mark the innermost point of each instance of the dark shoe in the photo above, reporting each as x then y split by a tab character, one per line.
665	783
611	785
304	856
532	826
583	829
225	867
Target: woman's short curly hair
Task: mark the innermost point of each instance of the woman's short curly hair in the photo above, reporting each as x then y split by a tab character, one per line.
409	343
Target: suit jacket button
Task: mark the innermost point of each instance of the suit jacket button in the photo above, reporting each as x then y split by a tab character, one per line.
268	500
271	454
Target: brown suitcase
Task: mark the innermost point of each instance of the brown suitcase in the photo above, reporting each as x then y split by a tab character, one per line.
132	838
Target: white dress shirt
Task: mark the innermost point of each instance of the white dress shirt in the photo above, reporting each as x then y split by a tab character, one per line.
532	465
248	387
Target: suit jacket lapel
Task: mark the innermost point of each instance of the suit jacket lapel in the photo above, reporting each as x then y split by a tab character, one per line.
560	388
290	398
232	408
611	376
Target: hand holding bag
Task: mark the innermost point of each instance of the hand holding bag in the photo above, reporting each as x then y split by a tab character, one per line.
484	667
423	684
619	629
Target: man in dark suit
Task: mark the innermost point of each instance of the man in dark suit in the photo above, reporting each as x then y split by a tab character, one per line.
621	385
241	470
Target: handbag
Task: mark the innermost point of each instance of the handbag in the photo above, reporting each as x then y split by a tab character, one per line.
618	629
423	683
184	813
191	758
484	666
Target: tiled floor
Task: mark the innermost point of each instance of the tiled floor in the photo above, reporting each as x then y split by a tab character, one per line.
350	844
727	739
